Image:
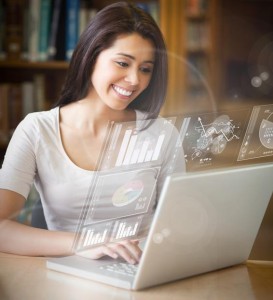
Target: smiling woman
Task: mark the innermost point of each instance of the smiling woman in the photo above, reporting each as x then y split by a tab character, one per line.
129	65
118	72
115	21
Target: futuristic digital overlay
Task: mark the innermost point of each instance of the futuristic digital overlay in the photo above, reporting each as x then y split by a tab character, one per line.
258	140
123	192
138	156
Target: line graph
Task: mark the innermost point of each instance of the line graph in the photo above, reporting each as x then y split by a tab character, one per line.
226	128
214	136
211	139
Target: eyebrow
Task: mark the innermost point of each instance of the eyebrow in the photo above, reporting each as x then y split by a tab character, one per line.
133	58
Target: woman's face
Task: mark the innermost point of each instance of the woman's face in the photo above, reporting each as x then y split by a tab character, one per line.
123	71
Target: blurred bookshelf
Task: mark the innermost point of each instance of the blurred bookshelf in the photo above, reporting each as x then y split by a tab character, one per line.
24	64
190	29
37	38
246	52
31	77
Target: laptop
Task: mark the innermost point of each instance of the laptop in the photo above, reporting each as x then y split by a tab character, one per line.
204	221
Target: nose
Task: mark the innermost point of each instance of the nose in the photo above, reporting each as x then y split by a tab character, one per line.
132	77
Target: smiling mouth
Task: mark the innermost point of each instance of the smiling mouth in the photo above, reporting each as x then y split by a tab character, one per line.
122	91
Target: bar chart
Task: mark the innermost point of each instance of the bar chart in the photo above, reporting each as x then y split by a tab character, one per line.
132	143
96	234
93	238
126	228
134	149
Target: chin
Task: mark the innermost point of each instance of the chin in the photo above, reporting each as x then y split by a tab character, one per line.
119	107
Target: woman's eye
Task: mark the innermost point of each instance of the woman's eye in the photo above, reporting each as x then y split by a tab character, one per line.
146	70
122	64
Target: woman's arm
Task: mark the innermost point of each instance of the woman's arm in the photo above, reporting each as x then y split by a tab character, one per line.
21	239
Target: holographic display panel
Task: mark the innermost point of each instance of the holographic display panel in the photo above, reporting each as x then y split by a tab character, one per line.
137	144
212	140
258	139
123	192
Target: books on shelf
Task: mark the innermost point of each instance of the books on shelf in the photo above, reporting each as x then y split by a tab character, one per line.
60	35
197	36
197	41
39	92
28	101
72	26
54	25
85	15
45	20
26	29
196	7
41	30
17	100
2	31
33	30
197	70
152	7
14	105
13	35
4	125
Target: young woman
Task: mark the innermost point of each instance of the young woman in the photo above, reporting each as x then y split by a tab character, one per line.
118	72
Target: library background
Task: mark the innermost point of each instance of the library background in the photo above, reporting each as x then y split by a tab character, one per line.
220	57
219	53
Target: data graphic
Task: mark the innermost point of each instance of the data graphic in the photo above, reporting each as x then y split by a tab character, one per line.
211	140
128	193
126	228
148	150
96	234
132	144
258	140
123	194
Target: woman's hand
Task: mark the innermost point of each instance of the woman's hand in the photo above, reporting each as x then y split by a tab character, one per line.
127	249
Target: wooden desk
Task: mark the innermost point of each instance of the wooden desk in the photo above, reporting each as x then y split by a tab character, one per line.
27	278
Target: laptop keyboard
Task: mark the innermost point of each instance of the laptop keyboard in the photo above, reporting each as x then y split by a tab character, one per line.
120	268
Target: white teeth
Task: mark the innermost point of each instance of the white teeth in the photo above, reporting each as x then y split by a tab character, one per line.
122	91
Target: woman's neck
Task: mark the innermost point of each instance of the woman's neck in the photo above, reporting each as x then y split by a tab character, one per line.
85	116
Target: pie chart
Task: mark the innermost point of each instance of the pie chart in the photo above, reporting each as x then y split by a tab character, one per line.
266	134
127	193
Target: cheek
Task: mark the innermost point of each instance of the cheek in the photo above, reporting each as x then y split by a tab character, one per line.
108	75
99	79
101	71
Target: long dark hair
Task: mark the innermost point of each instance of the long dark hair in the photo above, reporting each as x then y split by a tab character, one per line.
110	22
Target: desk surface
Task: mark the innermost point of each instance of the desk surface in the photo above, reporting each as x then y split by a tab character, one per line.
28	278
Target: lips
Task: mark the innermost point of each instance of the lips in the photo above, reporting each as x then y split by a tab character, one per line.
123	92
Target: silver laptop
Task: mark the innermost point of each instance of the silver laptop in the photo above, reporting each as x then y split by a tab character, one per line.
204	221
